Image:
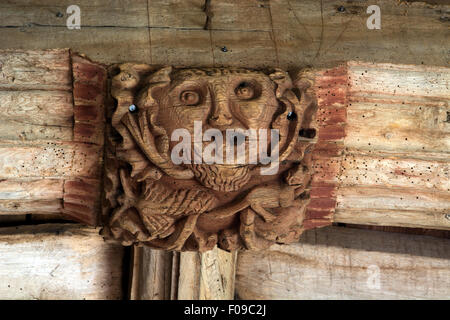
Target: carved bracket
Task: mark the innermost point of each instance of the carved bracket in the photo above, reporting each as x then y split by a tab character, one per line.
206	156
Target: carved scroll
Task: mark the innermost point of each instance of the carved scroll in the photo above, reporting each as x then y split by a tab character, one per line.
207	194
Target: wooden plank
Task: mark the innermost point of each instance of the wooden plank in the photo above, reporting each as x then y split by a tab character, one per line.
404	80
235	15
218	270
391	199
124	13
35	70
44	107
407	113
52	129
181	47
36	115
176	14
249	49
189	280
403	207
103	44
392	171
382	157
207	276
159	275
42	25
58	261
394	217
303	32
323	33
416	127
41	189
30	206
344	263
153	274
49	161
18	130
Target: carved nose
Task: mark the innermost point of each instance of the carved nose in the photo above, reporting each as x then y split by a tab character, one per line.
222	115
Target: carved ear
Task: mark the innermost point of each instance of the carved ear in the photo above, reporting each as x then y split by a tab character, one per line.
303	107
289	121
156	82
148	102
304	82
282	80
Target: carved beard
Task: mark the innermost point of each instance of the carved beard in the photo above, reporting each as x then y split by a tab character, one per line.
221	178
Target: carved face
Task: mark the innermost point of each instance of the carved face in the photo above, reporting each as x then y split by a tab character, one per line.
155	200
221	99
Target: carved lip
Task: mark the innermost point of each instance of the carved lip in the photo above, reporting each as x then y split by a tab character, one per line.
226	165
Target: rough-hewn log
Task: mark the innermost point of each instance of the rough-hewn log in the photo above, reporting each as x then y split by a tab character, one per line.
207	276
344	263
58	261
160	275
384	146
51	133
152	274
35	70
282	33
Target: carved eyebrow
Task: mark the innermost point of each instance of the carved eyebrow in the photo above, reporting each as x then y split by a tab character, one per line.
186	82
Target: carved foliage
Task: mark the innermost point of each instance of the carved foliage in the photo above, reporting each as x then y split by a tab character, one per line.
152	200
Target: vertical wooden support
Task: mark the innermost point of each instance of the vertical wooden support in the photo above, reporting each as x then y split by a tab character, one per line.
152	274
207	276
159	275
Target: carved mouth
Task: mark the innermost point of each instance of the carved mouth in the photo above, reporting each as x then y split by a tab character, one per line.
225	178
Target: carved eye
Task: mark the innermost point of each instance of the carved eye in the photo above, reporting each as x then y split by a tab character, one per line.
245	91
190	98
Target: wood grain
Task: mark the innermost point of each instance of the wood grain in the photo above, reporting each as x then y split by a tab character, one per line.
382	157
343	263
289	33
35	70
40	189
207	276
58	261
51	133
152	274
162	275
49	160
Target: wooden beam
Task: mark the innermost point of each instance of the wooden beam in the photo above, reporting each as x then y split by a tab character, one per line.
207	276
58	261
161	275
291	33
383	154
51	134
151	274
344	263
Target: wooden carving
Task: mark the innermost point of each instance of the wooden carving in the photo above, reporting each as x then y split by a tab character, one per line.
210	194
